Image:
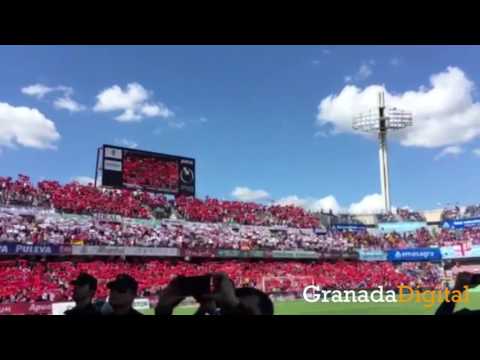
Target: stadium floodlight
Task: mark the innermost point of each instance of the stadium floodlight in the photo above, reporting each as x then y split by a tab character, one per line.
381	121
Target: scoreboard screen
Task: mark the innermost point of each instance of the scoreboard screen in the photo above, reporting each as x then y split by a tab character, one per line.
137	169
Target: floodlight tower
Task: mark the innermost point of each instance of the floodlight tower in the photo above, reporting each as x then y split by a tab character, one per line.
381	121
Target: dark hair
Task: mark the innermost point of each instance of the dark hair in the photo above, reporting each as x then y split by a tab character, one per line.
265	305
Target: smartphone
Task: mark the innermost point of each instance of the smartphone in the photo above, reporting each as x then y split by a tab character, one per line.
195	285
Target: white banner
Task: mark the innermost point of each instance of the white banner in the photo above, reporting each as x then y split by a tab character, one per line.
98	250
113	153
113	165
140	304
60	308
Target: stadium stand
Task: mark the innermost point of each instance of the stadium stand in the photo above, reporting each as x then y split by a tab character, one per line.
55	214
25	281
87	199
402	215
39	229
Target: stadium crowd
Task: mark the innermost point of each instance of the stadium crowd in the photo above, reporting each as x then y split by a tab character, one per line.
150	172
87	199
244	213
455	213
60	230
24	281
51	228
401	215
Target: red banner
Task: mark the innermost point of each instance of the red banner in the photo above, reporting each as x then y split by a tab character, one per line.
40	308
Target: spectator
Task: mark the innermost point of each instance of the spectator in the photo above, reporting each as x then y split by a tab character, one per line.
25	281
83	294
463	282
123	291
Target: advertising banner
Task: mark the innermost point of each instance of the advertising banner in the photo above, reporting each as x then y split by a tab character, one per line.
350	227
98	250
151	251
108	218
40	308
372	255
415	254
199	253
60	308
74	217
44	250
295	254
240	254
65	250
143	222
461	224
460	251
140	304
401	227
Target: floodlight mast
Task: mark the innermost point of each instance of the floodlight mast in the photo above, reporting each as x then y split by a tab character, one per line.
382	153
381	122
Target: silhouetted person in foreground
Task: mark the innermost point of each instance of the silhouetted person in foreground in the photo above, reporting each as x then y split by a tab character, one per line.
123	291
464	281
85	287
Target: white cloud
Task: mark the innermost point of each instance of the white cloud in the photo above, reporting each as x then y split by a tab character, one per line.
395	61
370	204
476	152
246	194
126	143
114	98
203	120
327	203
133	101
128	116
37	90
326	52
444	114
156	110
450	150
27	127
84	180
363	73
68	104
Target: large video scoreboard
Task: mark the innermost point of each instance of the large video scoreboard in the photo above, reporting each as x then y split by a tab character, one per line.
137	169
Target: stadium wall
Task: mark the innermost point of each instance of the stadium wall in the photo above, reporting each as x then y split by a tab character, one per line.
433	216
367	219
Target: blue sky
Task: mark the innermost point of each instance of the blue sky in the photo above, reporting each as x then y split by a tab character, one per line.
251	116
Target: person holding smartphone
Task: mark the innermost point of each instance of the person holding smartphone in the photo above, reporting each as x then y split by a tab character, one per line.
464	281
216	294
